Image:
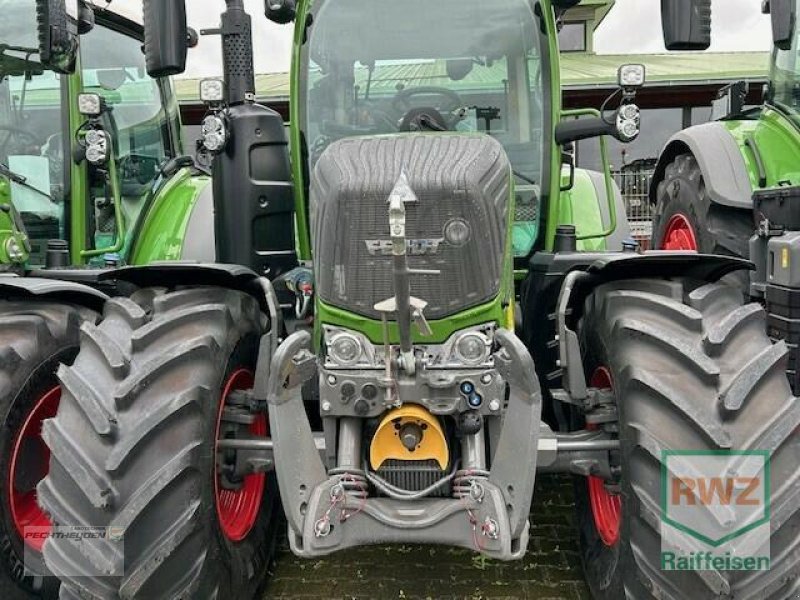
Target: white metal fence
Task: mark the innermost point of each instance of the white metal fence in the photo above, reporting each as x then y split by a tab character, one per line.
634	183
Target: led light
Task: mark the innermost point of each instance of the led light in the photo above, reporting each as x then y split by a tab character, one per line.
630	129
214	133
89	105
212	91
631	76
629	111
467	388
344	349
472	348
96	142
628	119
457	232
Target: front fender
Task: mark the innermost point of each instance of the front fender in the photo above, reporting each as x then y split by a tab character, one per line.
720	159
52	289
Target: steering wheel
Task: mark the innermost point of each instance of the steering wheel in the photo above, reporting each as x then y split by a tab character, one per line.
436	116
137	172
17	132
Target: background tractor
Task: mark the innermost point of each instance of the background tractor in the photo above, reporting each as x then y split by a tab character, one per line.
467	315
92	173
730	186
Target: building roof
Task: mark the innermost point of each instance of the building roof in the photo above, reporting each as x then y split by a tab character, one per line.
579	71
600	70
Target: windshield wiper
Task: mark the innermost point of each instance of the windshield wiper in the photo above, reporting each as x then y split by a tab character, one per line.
23	181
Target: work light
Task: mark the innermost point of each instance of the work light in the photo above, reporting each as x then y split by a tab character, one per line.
90	105
631	76
212	91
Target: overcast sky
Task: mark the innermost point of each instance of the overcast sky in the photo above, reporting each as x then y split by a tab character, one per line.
633	26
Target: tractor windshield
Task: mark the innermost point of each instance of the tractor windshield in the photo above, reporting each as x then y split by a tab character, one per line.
386	67
32	156
142	114
785	73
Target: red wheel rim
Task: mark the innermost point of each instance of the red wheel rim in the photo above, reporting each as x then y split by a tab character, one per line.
679	234
606	507
29	450
237	510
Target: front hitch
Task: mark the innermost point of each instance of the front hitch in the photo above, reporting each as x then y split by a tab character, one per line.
335	509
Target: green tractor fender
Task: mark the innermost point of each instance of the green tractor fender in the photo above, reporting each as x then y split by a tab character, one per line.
176	224
586	206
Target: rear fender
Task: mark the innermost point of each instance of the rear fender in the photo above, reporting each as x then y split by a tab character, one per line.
178	223
586	206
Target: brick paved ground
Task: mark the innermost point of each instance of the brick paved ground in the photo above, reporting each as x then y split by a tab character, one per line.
551	569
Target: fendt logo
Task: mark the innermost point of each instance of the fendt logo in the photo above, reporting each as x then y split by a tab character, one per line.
715	510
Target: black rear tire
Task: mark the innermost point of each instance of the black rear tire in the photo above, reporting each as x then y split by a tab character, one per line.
133	448
35	337
718	229
673	350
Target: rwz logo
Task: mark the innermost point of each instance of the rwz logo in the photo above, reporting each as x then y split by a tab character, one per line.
715	510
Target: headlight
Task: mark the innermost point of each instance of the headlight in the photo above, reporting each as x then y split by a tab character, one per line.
628	122
96	146
214	133
344	349
472	348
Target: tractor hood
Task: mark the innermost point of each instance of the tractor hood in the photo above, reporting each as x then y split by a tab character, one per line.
457	223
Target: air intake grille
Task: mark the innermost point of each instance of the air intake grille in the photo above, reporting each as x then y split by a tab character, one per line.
455	178
414	476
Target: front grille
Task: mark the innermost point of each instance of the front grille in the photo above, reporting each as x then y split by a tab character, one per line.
454	177
415	476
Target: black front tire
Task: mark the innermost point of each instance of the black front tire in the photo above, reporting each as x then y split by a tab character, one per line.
133	447
35	337
674	351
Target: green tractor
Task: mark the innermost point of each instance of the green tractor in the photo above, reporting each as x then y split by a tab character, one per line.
467	312
730	186
92	174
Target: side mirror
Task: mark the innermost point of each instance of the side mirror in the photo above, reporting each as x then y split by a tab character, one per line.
166	37
783	22
57	24
280	11
686	24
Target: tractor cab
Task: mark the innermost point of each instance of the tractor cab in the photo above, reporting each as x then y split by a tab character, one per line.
384	68
65	183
